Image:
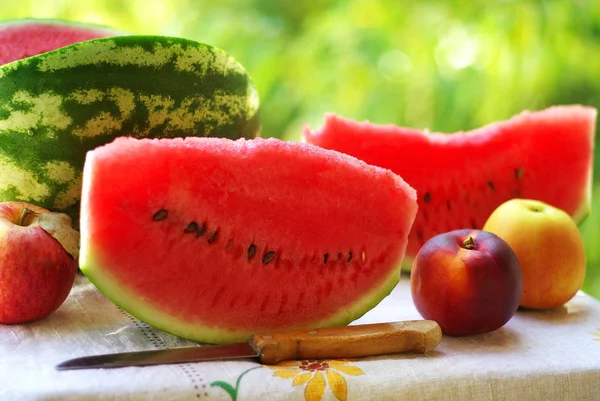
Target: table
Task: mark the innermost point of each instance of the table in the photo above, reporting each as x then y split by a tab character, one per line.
549	355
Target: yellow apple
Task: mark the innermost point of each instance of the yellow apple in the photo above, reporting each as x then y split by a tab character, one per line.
549	248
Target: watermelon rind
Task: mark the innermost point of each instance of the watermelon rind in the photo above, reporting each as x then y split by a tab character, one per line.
91	265
57	105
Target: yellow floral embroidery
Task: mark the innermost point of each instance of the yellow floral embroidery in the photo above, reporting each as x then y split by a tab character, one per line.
597	334
317	375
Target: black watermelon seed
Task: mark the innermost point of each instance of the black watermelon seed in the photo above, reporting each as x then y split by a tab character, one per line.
192	227
339	255
349	256
448	206
325	258
420	235
213	237
519	173
492	186
268	258
160	215
201	230
427	197
473	224
251	251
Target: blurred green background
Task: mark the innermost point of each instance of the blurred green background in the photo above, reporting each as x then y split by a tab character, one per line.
444	65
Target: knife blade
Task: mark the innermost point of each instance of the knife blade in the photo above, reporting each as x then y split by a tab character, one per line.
357	341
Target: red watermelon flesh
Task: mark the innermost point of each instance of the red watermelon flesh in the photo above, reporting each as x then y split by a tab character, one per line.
461	178
28	37
213	239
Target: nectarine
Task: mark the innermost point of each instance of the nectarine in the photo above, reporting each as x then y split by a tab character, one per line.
468	281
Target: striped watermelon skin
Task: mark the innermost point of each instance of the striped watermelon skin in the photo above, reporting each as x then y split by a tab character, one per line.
56	106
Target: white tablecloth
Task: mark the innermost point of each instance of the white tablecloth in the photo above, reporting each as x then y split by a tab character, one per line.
552	355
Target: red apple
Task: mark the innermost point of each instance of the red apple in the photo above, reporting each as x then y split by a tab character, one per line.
468	281
36	270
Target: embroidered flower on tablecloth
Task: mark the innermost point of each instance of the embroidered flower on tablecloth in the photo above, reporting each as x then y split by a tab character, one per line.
317	375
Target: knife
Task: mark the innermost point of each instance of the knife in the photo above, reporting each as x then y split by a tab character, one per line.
418	336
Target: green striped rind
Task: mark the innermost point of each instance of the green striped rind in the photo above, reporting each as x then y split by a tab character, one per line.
56	106
91	264
121	295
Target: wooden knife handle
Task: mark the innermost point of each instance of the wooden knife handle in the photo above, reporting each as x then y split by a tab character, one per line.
348	341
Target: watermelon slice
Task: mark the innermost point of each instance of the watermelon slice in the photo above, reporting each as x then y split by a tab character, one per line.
213	239
461	178
28	37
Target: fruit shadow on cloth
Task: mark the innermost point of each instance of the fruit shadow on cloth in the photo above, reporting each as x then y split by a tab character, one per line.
406	356
570	313
503	340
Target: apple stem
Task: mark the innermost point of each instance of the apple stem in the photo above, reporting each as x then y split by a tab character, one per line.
26	212
469	243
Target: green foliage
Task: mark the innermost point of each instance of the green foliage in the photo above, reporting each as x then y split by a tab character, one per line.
442	65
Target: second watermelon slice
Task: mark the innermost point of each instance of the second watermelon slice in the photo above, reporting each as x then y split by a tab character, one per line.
461	178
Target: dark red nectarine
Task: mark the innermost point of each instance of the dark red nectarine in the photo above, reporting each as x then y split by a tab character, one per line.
469	281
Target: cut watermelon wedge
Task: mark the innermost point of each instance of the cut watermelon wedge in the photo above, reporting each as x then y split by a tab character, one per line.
461	178
213	239
28	37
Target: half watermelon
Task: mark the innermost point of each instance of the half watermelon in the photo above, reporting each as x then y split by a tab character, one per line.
214	239
461	178
28	37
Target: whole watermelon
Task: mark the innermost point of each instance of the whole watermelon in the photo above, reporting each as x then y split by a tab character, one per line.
56	106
